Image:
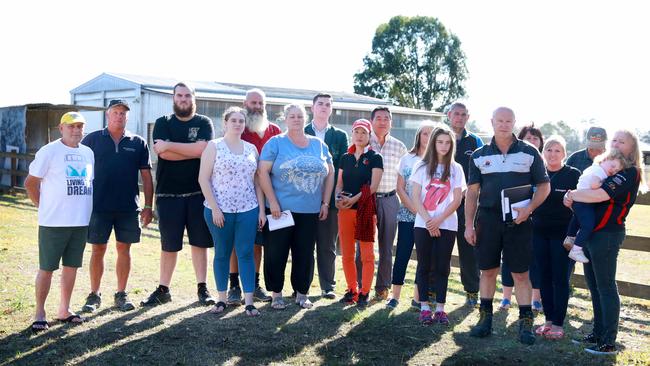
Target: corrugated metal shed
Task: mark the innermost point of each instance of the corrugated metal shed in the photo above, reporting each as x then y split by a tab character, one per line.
151	97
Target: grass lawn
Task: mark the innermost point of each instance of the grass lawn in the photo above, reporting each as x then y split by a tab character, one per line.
182	333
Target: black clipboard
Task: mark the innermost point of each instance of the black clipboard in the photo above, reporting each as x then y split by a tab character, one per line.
514	197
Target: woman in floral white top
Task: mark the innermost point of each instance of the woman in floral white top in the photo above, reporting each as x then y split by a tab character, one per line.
232	201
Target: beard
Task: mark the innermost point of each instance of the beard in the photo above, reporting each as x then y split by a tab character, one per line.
256	120
184	112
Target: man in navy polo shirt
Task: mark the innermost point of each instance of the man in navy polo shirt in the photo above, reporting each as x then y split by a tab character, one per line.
466	143
504	163
119	156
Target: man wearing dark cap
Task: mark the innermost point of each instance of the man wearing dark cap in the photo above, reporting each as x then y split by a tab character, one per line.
596	143
119	156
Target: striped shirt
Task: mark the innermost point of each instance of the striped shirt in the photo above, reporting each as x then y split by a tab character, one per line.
392	151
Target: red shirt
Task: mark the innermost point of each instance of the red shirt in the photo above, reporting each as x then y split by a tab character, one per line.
255	139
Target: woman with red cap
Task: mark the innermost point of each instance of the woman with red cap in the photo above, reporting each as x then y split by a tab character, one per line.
360	171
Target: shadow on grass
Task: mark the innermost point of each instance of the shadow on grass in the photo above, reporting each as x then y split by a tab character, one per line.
387	337
19	201
59	346
275	336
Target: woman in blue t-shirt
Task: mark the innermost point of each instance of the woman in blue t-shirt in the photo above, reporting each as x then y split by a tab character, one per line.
297	177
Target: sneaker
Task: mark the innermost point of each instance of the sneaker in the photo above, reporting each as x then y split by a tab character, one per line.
471	299
526	335
425	317
483	327
415	305
157	298
602	349
568	242
440	317
505	304
122	301
589	338
260	294
537	306
578	255
93	302
392	303
329	294
350	297
381	295
362	300
204	296
234	296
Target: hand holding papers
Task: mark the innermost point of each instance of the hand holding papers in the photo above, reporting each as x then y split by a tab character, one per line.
515	197
285	220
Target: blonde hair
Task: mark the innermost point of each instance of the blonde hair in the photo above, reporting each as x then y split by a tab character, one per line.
614	154
635	158
418	141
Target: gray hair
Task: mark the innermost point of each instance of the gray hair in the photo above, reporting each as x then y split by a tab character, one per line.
256	91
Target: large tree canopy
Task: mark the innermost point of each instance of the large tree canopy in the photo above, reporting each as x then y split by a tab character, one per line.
415	62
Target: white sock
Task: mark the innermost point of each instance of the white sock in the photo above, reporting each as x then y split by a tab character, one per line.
440	307
424	307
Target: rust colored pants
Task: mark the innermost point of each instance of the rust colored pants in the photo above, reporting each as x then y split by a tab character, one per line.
347	223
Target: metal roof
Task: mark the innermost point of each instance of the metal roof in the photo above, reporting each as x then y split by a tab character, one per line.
49	106
232	91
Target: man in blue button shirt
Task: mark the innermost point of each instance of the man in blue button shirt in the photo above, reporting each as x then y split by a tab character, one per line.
119	156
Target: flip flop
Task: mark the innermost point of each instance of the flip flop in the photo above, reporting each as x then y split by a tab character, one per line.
252	311
278	303
218	308
554	335
542	330
73	319
40	326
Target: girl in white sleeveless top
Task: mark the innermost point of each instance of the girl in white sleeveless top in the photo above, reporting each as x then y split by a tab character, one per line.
232	200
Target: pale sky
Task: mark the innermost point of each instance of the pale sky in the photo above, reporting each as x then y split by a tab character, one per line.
548	60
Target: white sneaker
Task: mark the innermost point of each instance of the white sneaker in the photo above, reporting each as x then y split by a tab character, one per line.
578	255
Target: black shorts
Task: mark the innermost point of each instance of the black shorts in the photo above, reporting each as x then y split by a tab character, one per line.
494	236
126	224
175	214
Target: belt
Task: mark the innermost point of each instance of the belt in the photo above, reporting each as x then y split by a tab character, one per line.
387	194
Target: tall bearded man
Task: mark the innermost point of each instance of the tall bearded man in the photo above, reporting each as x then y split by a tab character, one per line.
257	132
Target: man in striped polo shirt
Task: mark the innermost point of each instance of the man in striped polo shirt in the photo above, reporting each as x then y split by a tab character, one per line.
504	163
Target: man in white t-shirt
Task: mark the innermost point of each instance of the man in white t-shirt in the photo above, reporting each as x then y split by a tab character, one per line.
60	185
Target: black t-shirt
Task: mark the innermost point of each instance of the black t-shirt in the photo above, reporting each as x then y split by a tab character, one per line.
356	173
552	217
180	178
622	189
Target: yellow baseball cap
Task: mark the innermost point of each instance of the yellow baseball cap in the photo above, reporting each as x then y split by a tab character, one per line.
72	117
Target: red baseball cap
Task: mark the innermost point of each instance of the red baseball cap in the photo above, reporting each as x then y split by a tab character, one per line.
363	123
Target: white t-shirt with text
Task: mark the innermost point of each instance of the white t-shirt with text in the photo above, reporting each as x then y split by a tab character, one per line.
66	198
437	195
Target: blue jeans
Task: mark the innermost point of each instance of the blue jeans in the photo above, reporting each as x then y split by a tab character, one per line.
239	230
553	265
403	251
600	274
582	222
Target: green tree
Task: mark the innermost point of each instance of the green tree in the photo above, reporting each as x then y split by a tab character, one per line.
415	62
572	137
